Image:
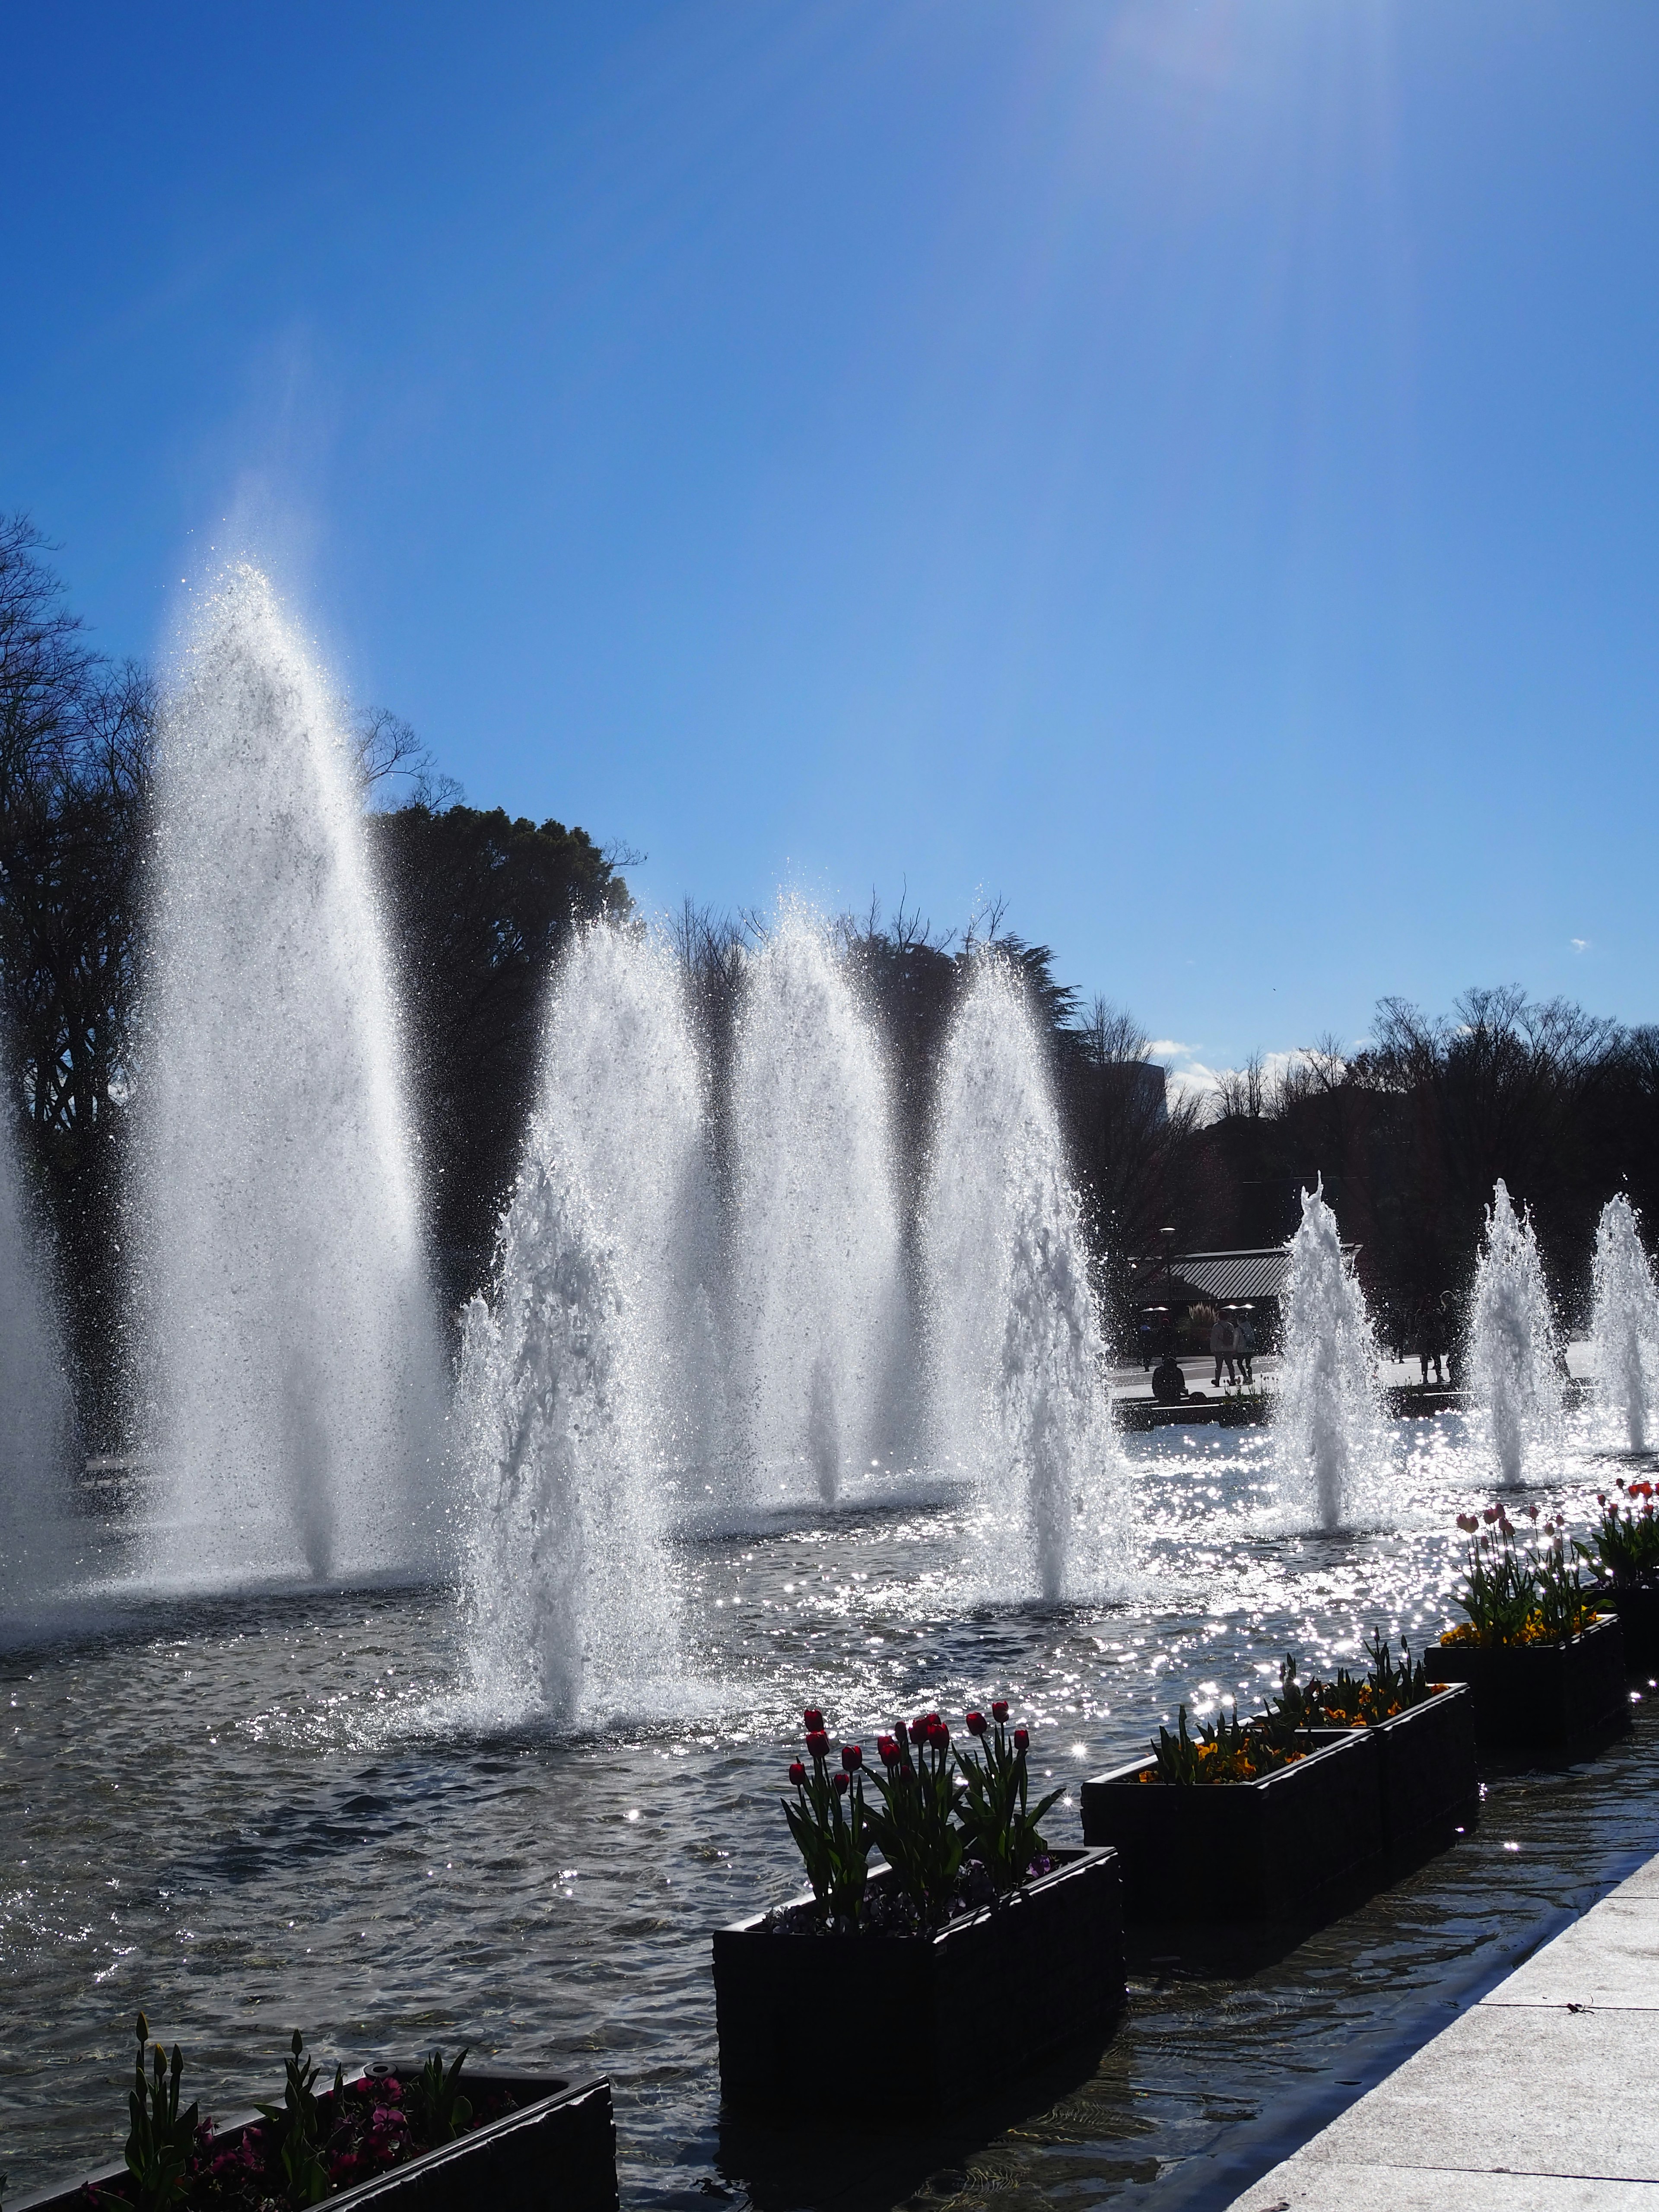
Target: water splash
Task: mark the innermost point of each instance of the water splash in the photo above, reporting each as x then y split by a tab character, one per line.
1016	1359
581	1389
1513	1362
36	1422
294	1372
1329	1433
1625	1330
817	1306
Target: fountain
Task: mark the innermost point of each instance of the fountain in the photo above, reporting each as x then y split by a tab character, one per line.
292	1374
1514	1363
586	1381
818	1295
35	1415
1329	1430
1625	1330
1019	1399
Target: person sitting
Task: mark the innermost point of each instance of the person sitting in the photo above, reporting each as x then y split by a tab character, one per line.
1168	1384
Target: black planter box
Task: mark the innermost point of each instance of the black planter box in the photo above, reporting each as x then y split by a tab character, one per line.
1540	1696
1429	1781
557	2153
891	2022
1639	1617
1242	1850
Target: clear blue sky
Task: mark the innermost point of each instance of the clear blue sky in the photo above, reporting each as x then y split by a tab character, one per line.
1188	470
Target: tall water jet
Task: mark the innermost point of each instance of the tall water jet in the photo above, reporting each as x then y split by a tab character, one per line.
1513	1362
817	1305
1625	1329
1016	1351
1328	1421
586	1379
293	1370
36	1422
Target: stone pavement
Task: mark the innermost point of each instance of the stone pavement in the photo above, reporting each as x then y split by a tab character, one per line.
1539	2099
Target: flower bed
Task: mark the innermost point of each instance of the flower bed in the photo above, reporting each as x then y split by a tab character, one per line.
1427	1778
513	2141
1541	1696
1543	1671
1261	1849
926	2017
1623	1552
971	1955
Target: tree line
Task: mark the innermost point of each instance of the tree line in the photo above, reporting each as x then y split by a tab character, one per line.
1409	1133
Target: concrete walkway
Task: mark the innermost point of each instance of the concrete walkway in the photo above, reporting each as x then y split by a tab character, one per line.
1539	2099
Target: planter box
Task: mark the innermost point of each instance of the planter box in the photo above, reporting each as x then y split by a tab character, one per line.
1429	1784
1639	1617
1540	1696
557	2153
1242	1850
890	2022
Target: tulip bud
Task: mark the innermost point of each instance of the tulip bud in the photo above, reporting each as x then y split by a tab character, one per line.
851	1756
999	1709
797	1773
919	1730
977	1724
844	1783
813	1718
888	1749
1022	1739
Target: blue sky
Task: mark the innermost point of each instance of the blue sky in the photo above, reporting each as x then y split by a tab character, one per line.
1187	468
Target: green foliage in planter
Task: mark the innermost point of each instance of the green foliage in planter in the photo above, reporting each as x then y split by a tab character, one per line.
1624	1545
998	1825
298	2128
162	2137
441	2112
1513	1597
828	1823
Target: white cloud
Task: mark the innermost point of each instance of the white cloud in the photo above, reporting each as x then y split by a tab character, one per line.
1579	943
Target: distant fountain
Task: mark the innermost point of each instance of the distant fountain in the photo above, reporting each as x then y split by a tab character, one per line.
1625	1331
1513	1361
1328	1423
585	1380
35	1414
818	1290
293	1374
1016	1359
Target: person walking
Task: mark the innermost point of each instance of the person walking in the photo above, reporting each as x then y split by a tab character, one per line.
1244	1344
1221	1343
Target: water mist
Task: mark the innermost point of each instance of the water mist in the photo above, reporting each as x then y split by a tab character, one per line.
1625	1331
1514	1364
1327	1423
293	1371
1016	1359
586	1380
36	1425
817	1308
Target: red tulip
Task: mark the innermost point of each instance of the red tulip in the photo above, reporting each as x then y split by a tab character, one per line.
813	1717
797	1773
919	1730
1022	1739
888	1748
851	1756
819	1744
999	1709
844	1783
977	1724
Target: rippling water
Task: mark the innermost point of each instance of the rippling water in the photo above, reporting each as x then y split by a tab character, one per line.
253	1813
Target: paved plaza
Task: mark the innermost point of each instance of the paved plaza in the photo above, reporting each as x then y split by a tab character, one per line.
1538	2098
